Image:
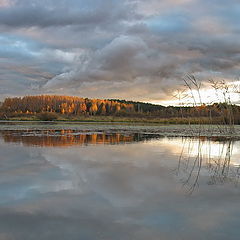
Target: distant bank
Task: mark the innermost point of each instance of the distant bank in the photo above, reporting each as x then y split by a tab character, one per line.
76	109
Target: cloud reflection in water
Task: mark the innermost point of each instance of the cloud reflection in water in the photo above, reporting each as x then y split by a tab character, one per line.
109	191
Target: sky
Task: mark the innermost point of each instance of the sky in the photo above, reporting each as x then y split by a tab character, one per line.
130	49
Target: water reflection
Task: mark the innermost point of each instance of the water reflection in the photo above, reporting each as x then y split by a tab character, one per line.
63	138
218	158
116	191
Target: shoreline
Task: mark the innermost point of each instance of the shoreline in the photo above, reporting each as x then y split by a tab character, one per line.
124	120
166	130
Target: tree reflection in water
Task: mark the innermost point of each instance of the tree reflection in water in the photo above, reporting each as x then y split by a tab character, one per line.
64	138
202	156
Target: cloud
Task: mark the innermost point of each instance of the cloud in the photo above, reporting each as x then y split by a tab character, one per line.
5	3
138	50
47	14
120	59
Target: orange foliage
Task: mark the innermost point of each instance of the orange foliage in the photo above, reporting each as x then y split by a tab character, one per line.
63	105
52	138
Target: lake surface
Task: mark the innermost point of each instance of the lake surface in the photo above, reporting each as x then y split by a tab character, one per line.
95	182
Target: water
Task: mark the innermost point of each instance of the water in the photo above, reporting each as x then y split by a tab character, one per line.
109	184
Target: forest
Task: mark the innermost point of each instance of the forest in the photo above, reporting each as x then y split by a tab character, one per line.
51	107
63	105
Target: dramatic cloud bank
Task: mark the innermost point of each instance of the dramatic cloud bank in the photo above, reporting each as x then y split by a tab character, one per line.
132	49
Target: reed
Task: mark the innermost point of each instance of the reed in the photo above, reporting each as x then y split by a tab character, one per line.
193	160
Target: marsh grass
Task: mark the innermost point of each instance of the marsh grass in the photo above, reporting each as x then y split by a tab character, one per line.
193	158
152	119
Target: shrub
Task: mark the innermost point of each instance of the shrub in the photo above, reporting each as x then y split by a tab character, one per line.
47	116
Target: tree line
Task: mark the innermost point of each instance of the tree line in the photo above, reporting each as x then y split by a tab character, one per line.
68	105
63	105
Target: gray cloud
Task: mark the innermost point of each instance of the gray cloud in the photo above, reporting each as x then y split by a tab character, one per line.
136	51
65	13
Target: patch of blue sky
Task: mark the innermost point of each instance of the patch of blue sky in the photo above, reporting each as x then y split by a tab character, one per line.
14	46
168	23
